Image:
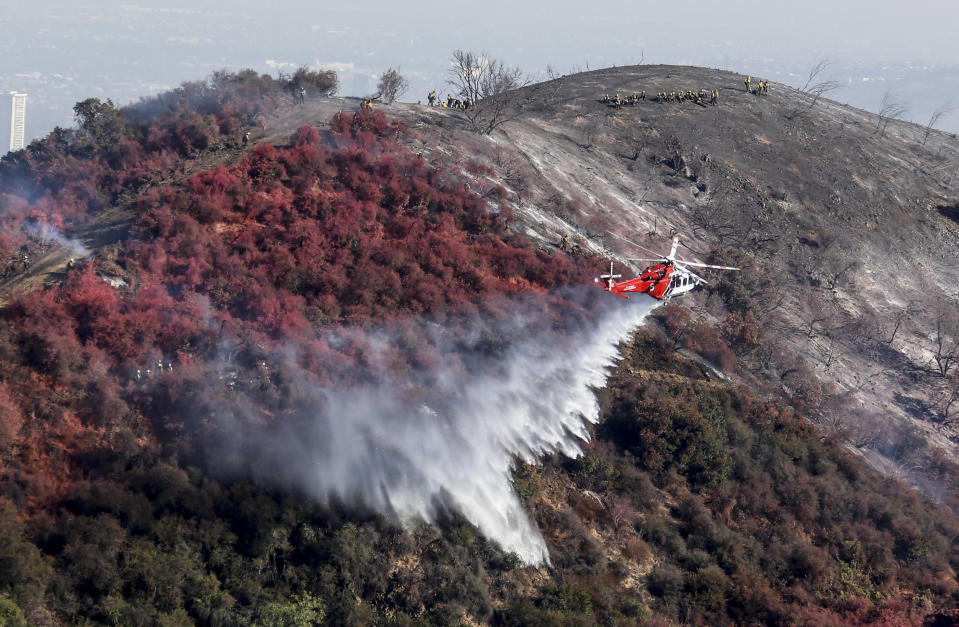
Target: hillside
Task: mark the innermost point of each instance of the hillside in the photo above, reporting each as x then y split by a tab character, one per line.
845	224
343	372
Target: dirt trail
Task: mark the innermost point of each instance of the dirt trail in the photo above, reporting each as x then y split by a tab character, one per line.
110	226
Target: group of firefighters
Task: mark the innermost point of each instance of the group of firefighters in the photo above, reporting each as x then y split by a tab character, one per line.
148	372
699	97
21	262
569	247
761	89
451	102
631	99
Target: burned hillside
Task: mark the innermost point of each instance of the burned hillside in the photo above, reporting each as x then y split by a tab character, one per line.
841	220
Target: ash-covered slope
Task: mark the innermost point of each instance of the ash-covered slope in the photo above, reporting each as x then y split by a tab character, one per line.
841	218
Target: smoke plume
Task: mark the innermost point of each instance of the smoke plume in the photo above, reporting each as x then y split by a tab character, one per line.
48	233
413	445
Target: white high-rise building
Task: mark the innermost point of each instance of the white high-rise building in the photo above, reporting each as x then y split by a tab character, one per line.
18	120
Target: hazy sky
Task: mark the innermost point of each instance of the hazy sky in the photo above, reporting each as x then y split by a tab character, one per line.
61	52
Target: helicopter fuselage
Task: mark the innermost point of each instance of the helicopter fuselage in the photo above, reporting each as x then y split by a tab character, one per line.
661	281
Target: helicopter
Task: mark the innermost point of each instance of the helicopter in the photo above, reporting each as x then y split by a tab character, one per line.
667	278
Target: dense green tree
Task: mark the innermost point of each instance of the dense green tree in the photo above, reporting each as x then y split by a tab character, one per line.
100	123
24	571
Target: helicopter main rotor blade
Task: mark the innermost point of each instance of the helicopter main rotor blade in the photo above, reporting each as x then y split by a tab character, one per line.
671	256
691	273
635	244
706	265
660	260
672	251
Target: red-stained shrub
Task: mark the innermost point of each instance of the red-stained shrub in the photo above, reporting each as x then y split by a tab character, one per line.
677	320
11	418
364	128
258	254
93	305
742	330
305	135
47	340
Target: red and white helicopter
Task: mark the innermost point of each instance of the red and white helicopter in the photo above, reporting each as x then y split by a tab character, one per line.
668	278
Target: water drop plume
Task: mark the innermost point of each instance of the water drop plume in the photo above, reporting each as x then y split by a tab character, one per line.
415	444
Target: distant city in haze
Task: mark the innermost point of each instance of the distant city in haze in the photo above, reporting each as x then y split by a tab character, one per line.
63	52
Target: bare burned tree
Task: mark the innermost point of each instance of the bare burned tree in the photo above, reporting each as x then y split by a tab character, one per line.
722	216
945	402
890	108
392	85
491	87
820	312
716	215
945	340
465	73
814	88
477	76
590	131
512	171
829	349
895	328
544	95
943	110
838	271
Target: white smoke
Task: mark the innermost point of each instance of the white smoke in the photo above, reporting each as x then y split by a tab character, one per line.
416	445
49	233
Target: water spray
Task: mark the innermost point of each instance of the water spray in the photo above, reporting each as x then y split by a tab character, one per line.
453	442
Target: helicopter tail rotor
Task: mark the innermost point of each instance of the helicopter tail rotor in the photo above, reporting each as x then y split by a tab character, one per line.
607	279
